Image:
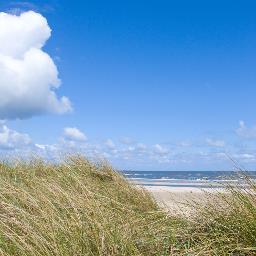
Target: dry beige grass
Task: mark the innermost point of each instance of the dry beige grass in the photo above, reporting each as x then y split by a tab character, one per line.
77	208
225	224
81	208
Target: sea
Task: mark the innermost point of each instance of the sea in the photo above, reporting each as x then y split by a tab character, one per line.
189	179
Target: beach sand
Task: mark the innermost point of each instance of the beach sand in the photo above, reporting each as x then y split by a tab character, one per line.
178	200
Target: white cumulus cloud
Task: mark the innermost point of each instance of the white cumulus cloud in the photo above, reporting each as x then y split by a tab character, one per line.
28	75
72	133
11	139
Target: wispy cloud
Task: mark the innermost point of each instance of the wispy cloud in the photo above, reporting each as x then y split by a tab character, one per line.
160	150
110	144
72	139
126	140
215	143
246	132
18	7
12	140
73	133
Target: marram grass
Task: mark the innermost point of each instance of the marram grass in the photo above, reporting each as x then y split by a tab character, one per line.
78	207
226	223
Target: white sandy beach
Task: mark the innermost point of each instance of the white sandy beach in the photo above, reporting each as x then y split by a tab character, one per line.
177	200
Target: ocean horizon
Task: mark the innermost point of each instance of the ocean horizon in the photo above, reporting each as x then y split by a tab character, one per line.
190	179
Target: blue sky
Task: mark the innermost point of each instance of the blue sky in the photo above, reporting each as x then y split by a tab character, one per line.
154	85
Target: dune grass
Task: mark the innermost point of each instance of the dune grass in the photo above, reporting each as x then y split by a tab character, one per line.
78	207
226	223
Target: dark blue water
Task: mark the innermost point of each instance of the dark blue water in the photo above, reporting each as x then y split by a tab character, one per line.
201	179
